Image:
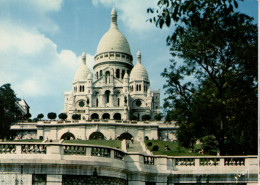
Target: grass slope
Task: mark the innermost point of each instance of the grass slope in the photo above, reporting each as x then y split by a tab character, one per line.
175	149
109	143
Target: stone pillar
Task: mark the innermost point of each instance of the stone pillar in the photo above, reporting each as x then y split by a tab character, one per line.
88	151
87	113
18	149
54	180
111	100
101	98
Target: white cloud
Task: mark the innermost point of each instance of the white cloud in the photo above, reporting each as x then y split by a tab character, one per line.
132	13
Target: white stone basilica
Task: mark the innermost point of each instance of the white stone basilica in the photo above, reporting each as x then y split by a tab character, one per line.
117	90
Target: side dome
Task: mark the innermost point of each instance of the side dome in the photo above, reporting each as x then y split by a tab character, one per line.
83	71
113	39
139	72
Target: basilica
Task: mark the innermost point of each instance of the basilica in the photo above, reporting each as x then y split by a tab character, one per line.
118	89
112	101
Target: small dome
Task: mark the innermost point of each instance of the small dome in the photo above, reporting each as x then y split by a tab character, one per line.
139	72
113	39
126	76
83	71
90	76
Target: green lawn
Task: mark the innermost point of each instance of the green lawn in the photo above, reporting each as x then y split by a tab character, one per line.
110	143
25	140
175	149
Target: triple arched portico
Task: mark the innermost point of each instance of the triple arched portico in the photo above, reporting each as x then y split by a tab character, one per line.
106	116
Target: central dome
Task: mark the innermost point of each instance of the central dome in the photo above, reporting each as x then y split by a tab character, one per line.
113	39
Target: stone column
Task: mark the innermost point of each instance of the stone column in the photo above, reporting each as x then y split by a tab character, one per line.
111	99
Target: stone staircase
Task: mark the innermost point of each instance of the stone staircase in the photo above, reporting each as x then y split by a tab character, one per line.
136	147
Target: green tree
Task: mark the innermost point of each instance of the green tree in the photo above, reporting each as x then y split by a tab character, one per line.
63	116
8	110
158	117
40	116
76	116
209	144
216	47
146	117
52	115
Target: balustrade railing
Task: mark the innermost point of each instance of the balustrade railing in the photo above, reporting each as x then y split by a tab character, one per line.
184	162
33	149
149	160
86	150
119	155
209	161
100	152
234	161
7	148
74	150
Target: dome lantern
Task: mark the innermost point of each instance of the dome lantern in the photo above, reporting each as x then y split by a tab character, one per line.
113	17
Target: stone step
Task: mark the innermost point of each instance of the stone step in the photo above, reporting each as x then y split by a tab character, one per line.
136	147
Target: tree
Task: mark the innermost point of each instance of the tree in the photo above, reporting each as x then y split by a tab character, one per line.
133	117
76	116
209	144
158	117
52	115
146	117
40	116
63	116
8	110
218	51
27	116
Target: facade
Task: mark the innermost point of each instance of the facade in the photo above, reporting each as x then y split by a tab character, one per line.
117	90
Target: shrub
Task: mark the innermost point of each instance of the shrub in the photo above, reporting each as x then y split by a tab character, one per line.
155	148
158	117
63	116
76	116
52	115
149	144
40	116
209	144
146	117
133	117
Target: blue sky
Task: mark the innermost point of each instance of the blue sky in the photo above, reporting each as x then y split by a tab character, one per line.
41	42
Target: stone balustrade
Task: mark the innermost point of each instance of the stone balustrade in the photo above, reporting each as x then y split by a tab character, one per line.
108	152
82	159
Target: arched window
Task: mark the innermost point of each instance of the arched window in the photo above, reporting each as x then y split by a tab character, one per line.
101	73
118	102
96	136
117	73
97	102
97	75
139	87
117	116
107	80
68	136
123	74
94	116
107	93
136	87
106	116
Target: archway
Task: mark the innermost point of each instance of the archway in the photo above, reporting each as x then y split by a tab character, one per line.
94	116
96	136
125	136
68	136
106	116
117	116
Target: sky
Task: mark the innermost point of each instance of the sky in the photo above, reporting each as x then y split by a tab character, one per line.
41	42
